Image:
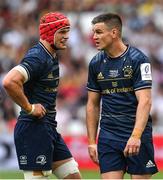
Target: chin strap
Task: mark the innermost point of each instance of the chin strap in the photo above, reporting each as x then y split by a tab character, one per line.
54	47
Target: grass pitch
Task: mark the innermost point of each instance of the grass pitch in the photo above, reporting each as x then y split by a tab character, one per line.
86	174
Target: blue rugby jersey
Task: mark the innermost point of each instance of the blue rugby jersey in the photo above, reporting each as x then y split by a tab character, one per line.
43	79
117	79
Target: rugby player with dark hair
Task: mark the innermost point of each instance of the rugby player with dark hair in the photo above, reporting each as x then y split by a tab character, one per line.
120	80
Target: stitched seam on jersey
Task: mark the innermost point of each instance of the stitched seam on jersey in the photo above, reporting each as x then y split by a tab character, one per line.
144	87
118	115
93	89
50	79
50	111
112	79
26	70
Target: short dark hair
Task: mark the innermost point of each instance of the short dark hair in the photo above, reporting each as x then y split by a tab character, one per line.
110	19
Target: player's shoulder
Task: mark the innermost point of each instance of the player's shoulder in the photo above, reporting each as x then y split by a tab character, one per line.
36	52
98	58
136	54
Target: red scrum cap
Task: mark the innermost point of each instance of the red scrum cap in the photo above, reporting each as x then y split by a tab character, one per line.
50	23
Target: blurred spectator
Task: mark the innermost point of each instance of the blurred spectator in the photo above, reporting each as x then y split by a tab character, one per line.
157	110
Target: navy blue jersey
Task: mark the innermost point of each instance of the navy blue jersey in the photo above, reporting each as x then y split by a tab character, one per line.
43	78
117	79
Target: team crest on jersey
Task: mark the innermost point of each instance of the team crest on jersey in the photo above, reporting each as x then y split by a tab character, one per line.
115	84
100	76
50	76
127	70
113	73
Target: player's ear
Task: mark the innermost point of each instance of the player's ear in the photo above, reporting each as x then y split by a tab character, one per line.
114	32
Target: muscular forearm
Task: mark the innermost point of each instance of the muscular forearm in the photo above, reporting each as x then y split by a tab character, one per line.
15	91
92	119
142	115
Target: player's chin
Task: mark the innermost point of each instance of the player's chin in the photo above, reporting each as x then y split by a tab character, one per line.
62	47
99	48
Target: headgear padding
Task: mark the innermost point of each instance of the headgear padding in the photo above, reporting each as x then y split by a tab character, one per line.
50	23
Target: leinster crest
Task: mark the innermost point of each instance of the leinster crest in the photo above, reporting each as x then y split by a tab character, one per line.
127	70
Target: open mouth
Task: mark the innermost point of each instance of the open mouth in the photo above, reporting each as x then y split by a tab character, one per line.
64	43
97	43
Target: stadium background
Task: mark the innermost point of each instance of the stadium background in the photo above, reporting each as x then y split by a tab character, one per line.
143	28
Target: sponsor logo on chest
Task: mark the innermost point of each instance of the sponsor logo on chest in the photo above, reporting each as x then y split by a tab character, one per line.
113	73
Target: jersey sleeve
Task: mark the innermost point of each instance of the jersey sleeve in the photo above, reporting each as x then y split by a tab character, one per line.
92	84
23	71
142	76
32	66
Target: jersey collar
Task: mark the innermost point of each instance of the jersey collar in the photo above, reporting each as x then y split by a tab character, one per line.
46	50
122	55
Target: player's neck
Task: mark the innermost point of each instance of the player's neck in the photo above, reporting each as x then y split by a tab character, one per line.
117	49
48	47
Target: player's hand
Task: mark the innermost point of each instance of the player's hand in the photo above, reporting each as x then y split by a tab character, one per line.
92	149
39	111
132	147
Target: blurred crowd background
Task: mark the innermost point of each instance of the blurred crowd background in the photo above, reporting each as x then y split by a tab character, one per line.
19	20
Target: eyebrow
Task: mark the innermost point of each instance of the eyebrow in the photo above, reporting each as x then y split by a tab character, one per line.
64	29
97	29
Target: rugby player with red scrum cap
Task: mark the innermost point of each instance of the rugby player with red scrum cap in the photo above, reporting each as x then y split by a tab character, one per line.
33	85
